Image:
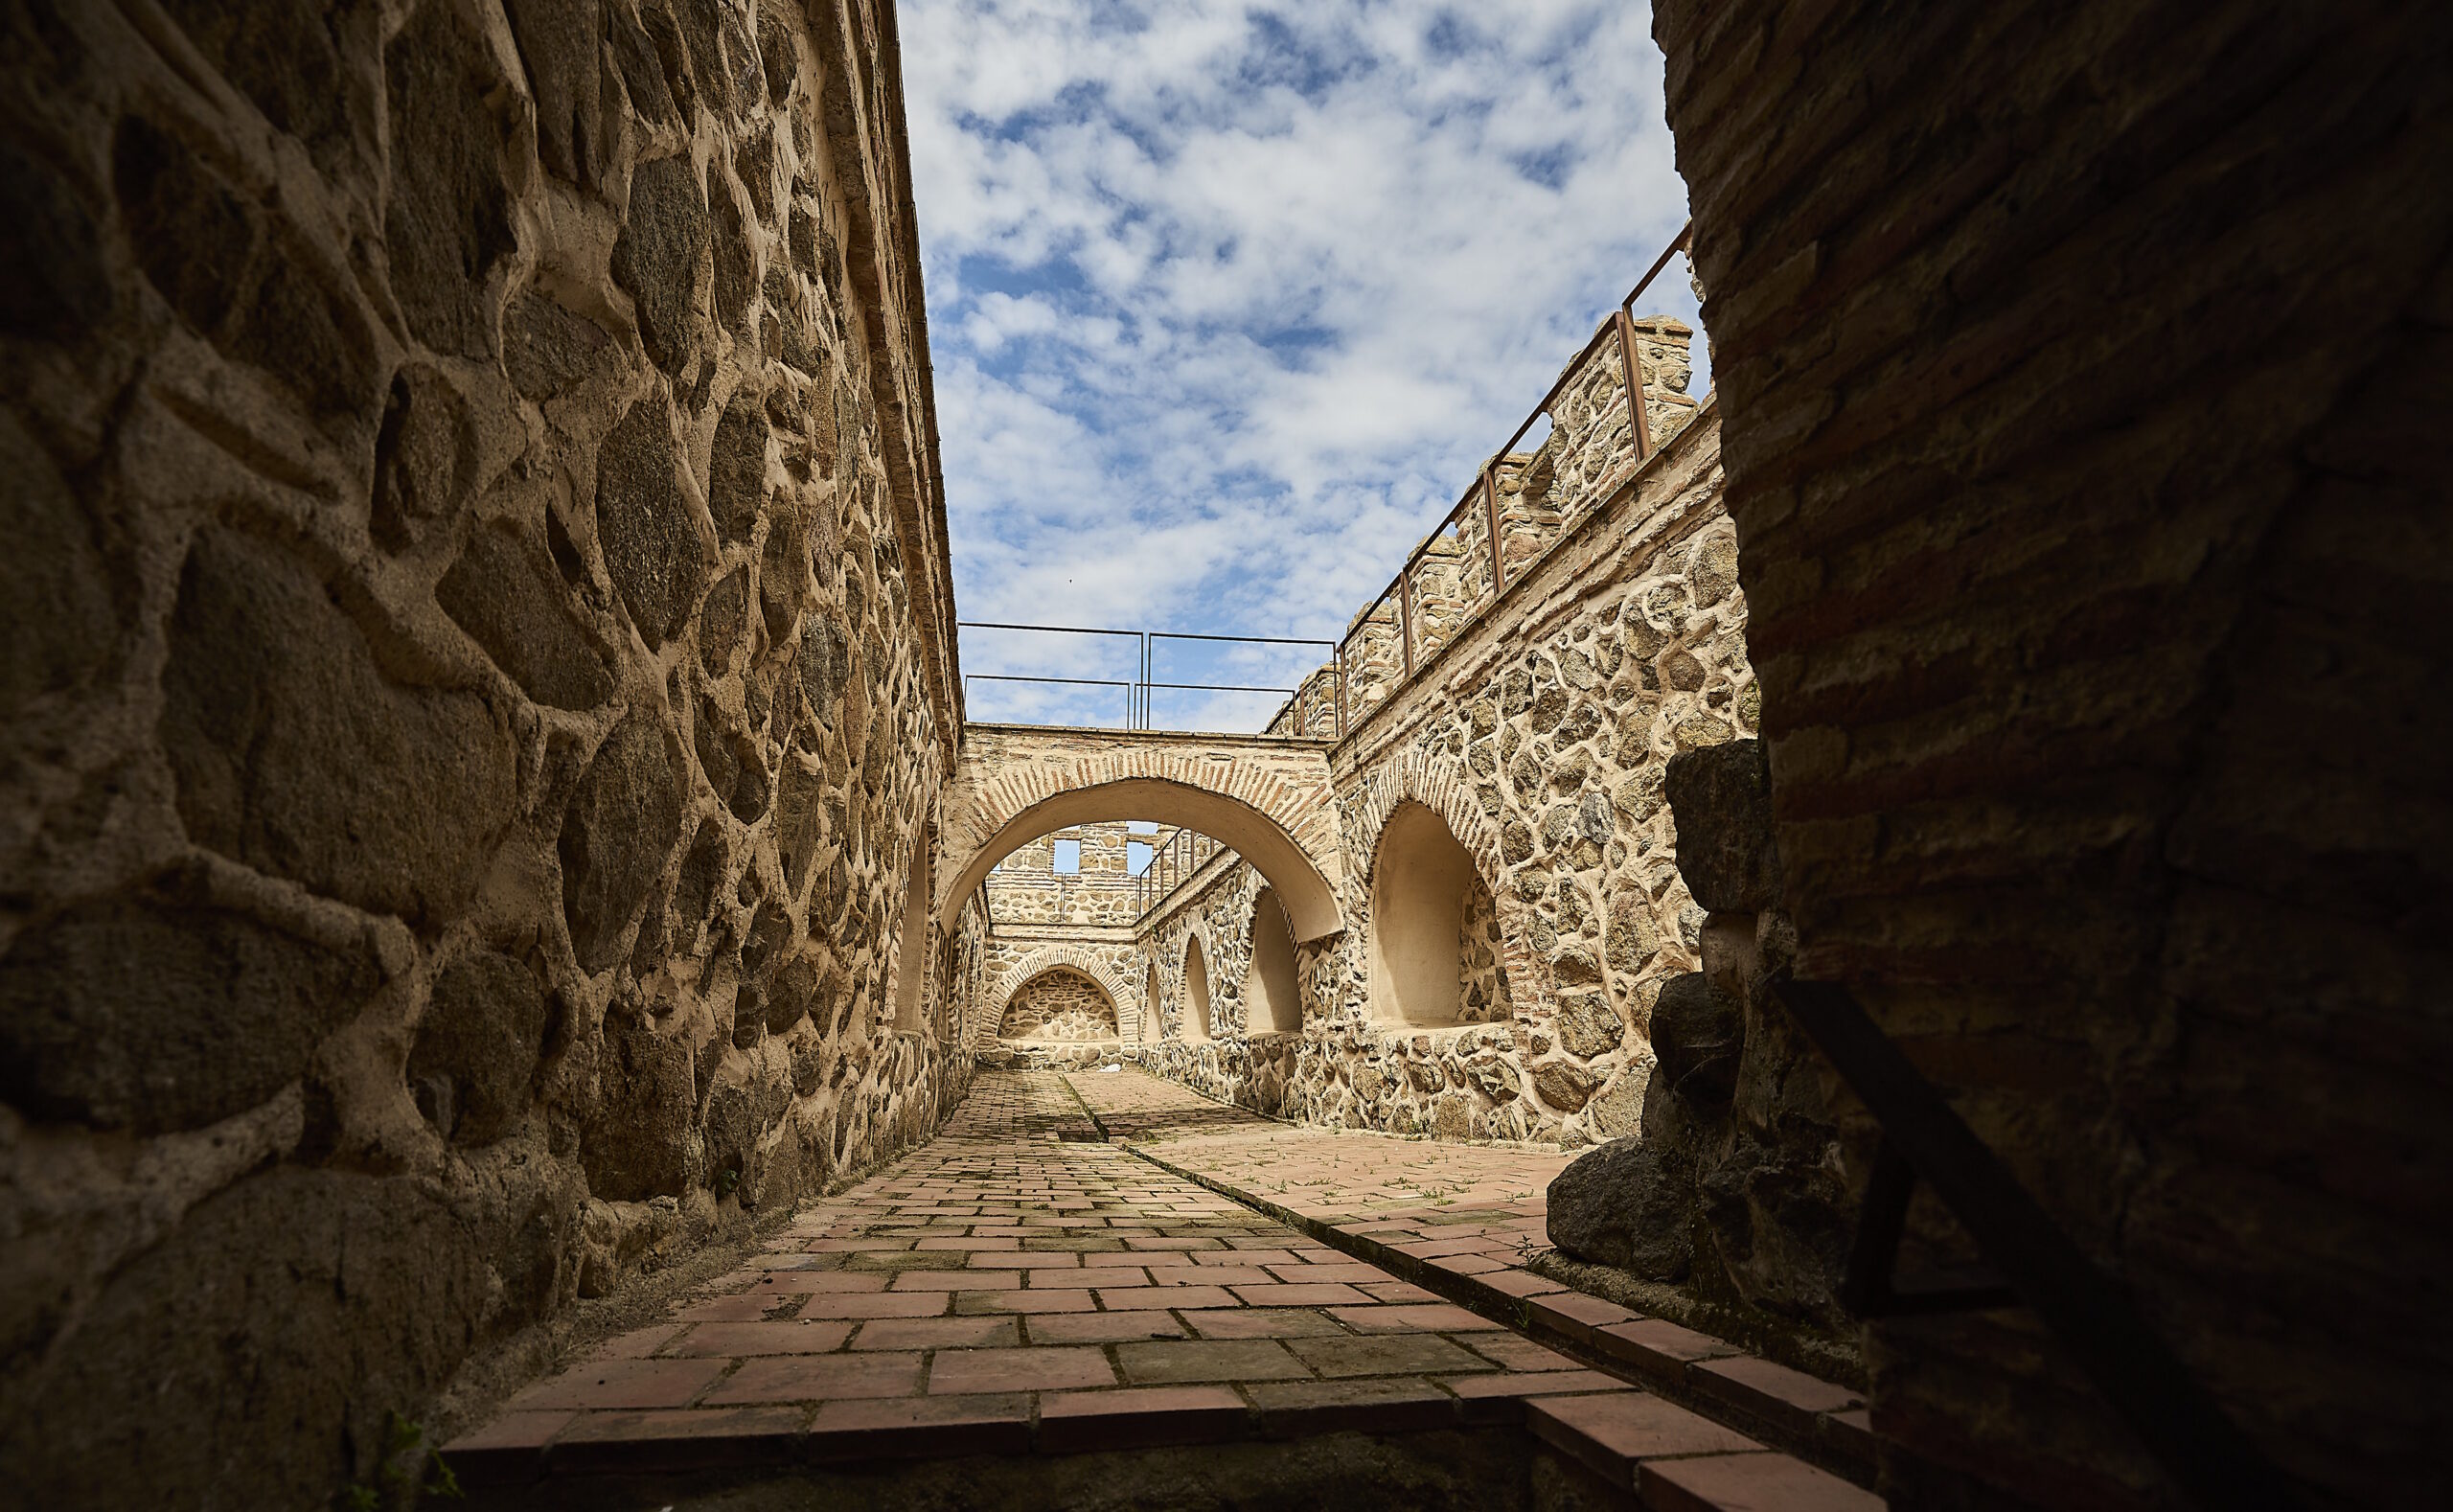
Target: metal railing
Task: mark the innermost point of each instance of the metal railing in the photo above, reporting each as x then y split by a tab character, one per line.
1180	856
1139	688
1459	531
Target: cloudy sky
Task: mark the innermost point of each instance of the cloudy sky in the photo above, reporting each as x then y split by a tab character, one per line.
1228	299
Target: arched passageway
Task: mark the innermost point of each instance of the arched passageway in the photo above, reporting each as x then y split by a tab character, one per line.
1267	798
1272	1003
1434	936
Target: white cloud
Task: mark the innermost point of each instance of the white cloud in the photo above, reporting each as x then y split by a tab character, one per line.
1229	300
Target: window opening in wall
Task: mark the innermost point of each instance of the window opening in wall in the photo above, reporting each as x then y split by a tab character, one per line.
1136	858
1068	858
1271	1004
1431	949
911	955
1195	1003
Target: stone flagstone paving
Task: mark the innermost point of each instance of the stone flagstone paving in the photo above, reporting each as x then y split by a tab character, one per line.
1016	1286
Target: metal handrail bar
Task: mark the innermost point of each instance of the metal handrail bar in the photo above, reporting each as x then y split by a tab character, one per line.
2173	1413
1620	326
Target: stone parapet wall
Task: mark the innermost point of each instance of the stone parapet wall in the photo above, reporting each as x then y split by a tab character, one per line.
1540	735
479	668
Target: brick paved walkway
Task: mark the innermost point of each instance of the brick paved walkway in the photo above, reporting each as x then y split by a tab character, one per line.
1015	1288
1463	1220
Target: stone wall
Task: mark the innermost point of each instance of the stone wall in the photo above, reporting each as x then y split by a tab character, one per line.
1059	1004
2084	367
1027	889
479	666
1539	734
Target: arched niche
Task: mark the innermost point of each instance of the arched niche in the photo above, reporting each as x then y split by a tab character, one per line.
1272	1003
1431	961
1196	1004
1152	1025
911	951
1062	1004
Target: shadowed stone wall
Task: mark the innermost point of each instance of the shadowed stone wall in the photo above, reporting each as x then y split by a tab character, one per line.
478	664
2084	369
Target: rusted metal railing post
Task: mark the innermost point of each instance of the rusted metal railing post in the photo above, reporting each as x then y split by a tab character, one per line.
1633	363
1405	616
1490	509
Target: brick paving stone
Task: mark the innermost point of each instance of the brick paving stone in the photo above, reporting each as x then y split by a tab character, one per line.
623	1384
791	1335
875	1304
1263	1323
1028	1367
681	1439
1629	1426
1385	1355
1209	1359
928	1427
939	1332
1105	1328
1365	1407
1419	1316
1749	1484
819	1378
1789	1398
1140	1417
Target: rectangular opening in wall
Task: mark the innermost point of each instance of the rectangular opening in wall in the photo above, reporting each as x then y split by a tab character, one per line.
1137	857
1068	858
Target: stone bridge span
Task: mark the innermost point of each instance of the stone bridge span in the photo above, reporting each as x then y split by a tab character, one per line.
1265	796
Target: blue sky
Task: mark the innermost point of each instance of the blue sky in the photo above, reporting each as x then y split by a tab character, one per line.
1228	301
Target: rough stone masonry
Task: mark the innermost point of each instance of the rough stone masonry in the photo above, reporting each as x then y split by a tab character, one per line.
478	672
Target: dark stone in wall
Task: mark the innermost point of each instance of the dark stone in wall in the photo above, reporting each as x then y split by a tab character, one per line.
52	281
623	820
56	616
723	620
269	1334
643	522
657	257
280	53
642	72
190	235
737	466
448	220
260	298
635	1134
549	350
1722	798
295	756
1628	1205
144	1014
559	40
1697	1034
518	610
736	271
421	457
477	1048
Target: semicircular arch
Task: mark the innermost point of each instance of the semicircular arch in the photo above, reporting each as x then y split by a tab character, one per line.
1305	886
1055	958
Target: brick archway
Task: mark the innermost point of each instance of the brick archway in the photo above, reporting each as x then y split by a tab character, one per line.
1267	798
1059	958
